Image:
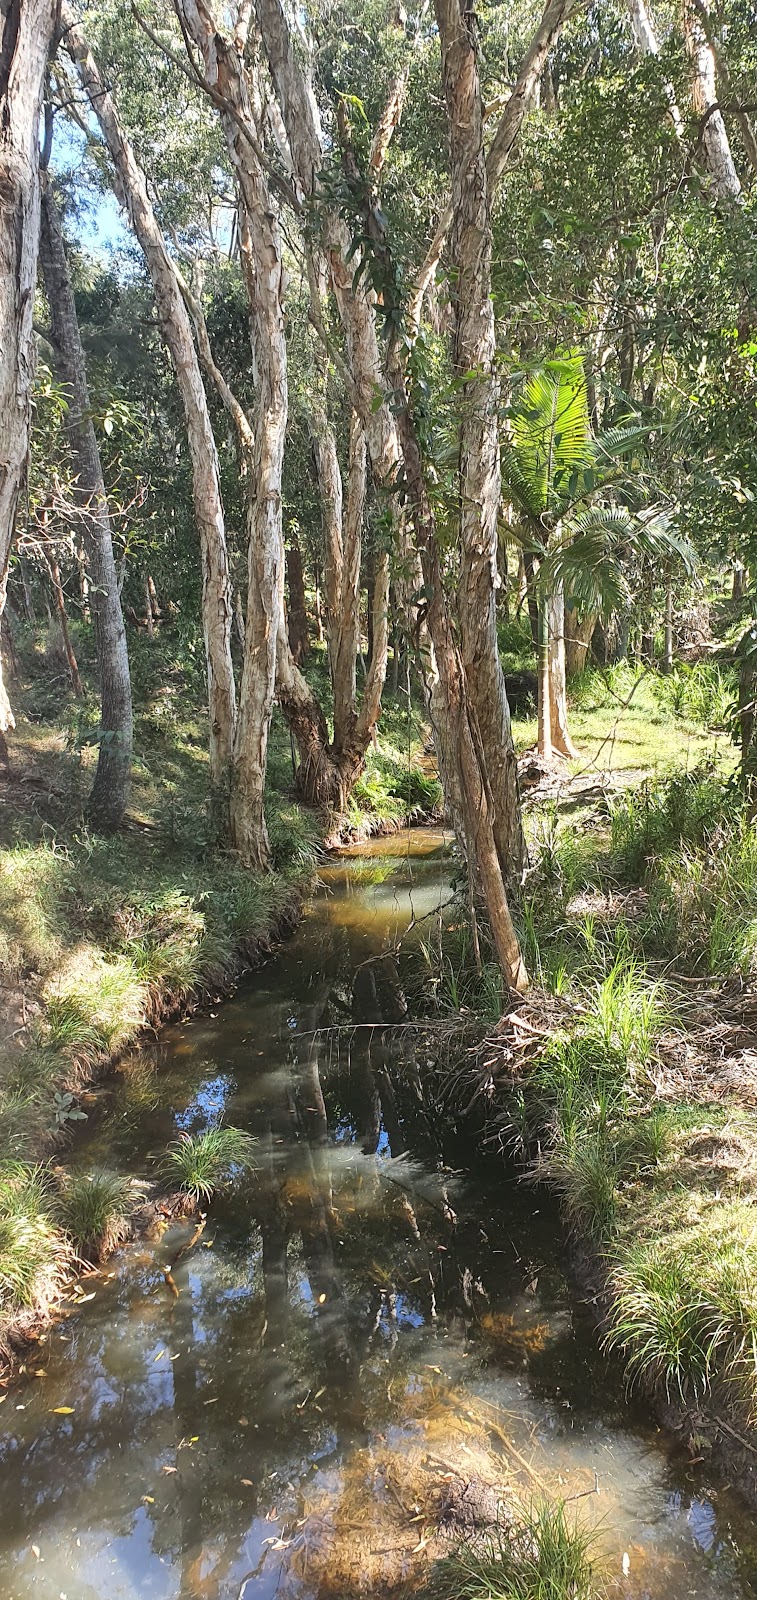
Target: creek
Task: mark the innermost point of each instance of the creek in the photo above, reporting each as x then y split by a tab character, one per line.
365	1341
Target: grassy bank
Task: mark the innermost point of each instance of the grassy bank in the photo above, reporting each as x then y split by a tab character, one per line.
626	1082
100	939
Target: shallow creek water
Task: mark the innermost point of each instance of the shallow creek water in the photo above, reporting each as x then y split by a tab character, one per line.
358	1332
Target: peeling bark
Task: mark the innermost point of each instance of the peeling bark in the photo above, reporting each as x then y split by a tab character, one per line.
263	273
176	328
27	32
479	463
715	148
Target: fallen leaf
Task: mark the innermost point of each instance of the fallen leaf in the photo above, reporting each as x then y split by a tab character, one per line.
170	1469
63	1411
243	1422
248	1483
626	1563
40	1373
158	1356
35	1551
321	1299
148	1499
213	1402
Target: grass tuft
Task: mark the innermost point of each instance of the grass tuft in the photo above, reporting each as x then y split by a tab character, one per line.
544	1555
93	1209
200	1163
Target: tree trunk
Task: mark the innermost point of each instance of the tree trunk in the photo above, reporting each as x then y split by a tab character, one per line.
130	186
27	30
558	693
51	563
544	715
479	463
473	791
646	40
297	617
578	637
262	270
667	658
107	802
714	145
149	615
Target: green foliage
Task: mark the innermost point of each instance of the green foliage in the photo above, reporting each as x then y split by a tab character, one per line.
32	1261
544	1554
203	1162
93	1209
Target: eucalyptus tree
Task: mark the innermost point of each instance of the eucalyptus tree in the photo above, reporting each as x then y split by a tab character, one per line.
27	35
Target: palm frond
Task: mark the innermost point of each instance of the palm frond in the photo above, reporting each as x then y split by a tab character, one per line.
551	441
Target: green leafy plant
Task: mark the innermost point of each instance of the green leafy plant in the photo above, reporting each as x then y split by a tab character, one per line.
93	1208
200	1163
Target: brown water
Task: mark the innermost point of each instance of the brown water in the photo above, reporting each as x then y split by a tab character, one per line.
358	1331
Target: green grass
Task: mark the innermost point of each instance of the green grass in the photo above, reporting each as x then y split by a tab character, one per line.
544	1554
33	1258
93	1210
627	718
200	1163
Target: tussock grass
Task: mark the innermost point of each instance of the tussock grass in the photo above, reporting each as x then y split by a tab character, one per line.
203	1162
33	1258
544	1554
93	1209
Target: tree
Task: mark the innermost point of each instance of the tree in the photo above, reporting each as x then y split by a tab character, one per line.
108	799
176	328
27	32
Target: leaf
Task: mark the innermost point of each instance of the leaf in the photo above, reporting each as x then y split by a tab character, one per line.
35	1551
64	1411
248	1483
148	1499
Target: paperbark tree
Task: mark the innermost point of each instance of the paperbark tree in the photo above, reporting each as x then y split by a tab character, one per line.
328	767
715	148
176	328
263	273
27	33
108	799
479	482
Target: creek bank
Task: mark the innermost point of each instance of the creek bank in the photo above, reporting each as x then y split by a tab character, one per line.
494	1105
161	1003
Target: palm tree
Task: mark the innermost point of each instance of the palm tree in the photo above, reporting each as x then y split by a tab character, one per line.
566	486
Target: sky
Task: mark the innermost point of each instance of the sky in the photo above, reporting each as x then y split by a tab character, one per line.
97	223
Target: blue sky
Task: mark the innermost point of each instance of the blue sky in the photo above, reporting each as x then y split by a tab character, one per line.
98	222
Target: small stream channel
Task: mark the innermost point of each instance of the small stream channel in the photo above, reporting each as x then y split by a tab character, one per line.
356	1327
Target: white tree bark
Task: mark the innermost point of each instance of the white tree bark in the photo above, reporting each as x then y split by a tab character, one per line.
27	31
176	328
479	483
716	150
262	268
646	40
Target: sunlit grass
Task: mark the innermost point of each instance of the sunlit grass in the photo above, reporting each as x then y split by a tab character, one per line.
543	1554
203	1162
93	1209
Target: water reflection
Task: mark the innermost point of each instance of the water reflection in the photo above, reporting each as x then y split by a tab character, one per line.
354	1336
